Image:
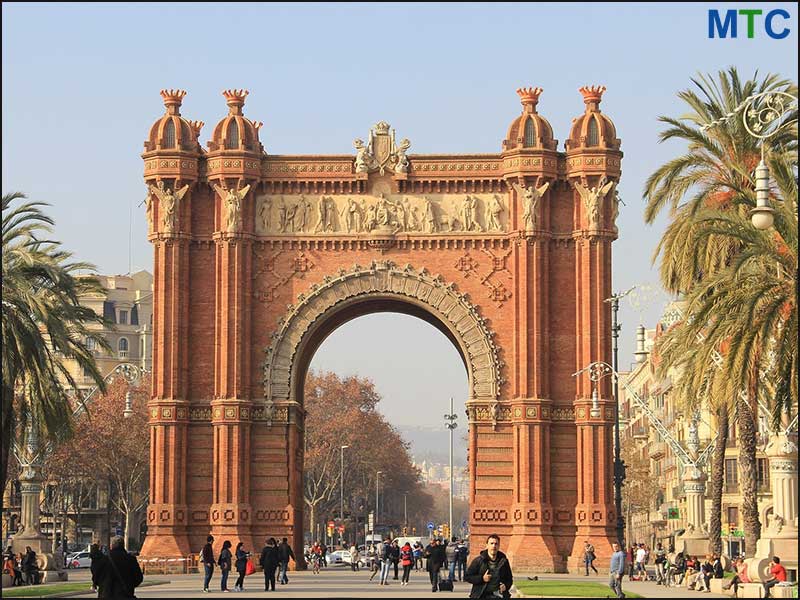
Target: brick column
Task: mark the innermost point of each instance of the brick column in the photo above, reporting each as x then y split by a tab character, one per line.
167	512
595	515
230	512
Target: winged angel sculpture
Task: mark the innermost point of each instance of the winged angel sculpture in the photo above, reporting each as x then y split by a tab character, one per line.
233	205
531	196
593	199
167	204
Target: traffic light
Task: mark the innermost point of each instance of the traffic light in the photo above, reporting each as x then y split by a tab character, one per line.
405	531
414	530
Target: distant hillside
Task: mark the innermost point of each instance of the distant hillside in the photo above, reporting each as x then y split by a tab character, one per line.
433	444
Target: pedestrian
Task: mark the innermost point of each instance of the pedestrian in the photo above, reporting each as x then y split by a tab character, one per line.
778	574
10	567
660	562
394	557
678	568
323	554
434	559
631	560
354	558
96	556
490	572
588	557
18	573
450	555
417	556
225	563
285	552
616	570
407	561
207	557
30	567
461	558
641	570
372	559
269	561
386	561
241	567
118	574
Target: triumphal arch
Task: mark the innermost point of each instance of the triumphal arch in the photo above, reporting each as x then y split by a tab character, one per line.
259	256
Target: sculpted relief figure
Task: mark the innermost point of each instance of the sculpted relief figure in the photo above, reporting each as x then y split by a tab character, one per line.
615	202
469	212
351	215
383	214
168	204
402	160
371	220
281	215
264	213
291	216
430	217
364	160
530	200
494	209
593	199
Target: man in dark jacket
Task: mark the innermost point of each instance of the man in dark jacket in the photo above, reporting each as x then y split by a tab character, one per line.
118	574
284	554
30	566
269	560
394	556
434	555
207	558
490	572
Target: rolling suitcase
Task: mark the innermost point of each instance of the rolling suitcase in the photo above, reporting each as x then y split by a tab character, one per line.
445	585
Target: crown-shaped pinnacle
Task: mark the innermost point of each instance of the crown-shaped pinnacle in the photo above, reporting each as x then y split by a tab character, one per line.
196	127
235	100
592	94
529	97
173	100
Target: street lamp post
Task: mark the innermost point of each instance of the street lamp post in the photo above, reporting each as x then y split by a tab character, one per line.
619	465
341	494
377	506
450	423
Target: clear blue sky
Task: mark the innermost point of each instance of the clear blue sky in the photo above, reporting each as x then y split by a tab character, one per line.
81	87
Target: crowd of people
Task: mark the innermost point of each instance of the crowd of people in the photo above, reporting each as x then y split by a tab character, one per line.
274	558
22	567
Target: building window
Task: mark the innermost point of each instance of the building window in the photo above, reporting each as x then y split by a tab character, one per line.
530	133
90	344
731	475
233	135
763	474
169	134
593	136
122	347
733	515
123	317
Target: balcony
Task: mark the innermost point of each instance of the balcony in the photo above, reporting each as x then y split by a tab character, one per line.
657	450
638	433
677	492
122	354
657	518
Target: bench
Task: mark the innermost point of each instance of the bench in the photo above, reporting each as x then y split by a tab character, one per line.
756	590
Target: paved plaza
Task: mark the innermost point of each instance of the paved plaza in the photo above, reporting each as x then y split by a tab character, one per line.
340	582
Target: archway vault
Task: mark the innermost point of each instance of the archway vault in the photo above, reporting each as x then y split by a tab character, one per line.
451	310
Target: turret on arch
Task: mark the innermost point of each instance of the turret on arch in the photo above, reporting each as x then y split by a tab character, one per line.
523	257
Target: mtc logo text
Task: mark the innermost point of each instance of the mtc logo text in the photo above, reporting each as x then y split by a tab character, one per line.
726	26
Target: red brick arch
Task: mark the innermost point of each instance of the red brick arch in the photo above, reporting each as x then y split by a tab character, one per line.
257	260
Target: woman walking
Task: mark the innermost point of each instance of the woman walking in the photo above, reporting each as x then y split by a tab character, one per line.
269	560
241	567
407	561
224	562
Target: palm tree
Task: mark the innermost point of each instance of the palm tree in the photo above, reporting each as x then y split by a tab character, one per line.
738	281
42	321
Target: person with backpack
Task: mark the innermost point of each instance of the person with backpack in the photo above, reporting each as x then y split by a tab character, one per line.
386	561
207	558
407	561
225	563
462	551
417	556
118	574
490	572
451	555
269	561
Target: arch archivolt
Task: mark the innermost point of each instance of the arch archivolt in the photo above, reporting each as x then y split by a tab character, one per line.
383	279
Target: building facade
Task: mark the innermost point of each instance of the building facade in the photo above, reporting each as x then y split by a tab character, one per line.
667	514
258	257
127	304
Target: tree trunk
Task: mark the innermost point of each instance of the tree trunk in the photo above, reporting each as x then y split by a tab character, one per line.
128	522
312	516
718	480
7	429
748	476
